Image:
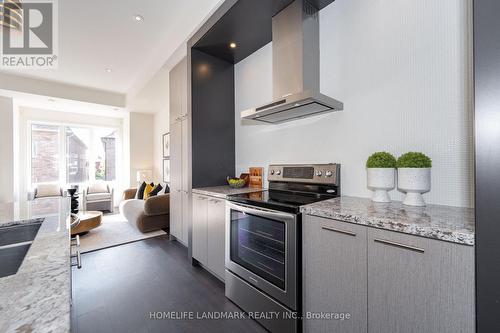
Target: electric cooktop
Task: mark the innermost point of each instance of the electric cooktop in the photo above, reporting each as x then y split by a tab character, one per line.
287	201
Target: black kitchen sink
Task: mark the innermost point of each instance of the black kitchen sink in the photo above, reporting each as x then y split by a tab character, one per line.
15	242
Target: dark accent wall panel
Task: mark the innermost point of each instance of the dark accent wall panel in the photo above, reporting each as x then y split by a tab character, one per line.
487	122
213	139
248	23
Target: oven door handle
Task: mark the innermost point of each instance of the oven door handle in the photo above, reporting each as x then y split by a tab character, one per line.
271	214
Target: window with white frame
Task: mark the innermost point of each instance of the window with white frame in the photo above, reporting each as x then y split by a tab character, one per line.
72	155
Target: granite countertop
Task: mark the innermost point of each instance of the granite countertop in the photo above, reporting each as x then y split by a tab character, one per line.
224	191
452	224
37	297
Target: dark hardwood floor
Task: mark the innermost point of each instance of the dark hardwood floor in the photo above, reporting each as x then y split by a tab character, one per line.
117	288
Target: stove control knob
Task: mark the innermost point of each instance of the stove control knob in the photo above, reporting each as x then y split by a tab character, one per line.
278	172
272	172
319	173
329	173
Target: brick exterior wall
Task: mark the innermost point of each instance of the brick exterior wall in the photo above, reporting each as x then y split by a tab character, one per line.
45	154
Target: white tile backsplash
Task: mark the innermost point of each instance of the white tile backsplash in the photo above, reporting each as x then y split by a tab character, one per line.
402	69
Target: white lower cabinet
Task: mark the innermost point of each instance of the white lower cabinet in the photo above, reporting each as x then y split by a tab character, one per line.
209	233
387	281
200	228
216	233
179	189
179	215
176	213
186	216
417	284
334	275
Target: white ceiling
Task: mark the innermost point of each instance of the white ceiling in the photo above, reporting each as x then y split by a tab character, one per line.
95	35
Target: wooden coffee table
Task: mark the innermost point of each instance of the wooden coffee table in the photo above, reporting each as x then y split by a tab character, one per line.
88	220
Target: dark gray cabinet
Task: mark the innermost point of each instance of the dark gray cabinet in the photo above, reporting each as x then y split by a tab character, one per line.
334	274
386	281
487	162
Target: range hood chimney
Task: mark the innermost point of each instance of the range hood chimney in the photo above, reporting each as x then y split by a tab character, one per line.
295	68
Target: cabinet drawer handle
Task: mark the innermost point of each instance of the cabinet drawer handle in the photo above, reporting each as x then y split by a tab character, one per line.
396	244
345	232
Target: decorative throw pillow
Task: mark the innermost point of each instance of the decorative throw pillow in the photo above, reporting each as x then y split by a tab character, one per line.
140	191
156	190
147	190
48	190
167	189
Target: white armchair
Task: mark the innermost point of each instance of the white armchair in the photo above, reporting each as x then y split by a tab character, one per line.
46	191
98	196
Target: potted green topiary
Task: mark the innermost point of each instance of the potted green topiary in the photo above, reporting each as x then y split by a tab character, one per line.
414	177
381	168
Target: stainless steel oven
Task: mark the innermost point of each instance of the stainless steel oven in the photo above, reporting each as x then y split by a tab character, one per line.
262	249
263	241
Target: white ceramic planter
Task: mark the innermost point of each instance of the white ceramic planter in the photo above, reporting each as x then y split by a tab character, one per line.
380	180
414	181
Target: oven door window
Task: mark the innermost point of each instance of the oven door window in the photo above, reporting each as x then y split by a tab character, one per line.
258	244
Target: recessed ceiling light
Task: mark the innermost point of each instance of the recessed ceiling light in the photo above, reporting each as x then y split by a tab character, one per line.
108	70
138	18
232	45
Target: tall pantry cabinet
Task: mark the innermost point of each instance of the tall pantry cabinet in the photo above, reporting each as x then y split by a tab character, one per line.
180	168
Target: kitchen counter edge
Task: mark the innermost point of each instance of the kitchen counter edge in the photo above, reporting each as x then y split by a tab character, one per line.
446	223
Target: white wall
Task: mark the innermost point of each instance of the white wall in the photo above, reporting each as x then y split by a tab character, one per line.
161	126
141	144
6	149
154	99
403	72
16	163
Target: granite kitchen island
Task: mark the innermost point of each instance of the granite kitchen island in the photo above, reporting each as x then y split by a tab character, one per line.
37	298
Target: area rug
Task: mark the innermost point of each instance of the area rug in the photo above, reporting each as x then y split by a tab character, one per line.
114	230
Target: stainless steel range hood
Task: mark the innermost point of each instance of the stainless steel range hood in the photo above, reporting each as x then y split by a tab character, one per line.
295	68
